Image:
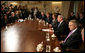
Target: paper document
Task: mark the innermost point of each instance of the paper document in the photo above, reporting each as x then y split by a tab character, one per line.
46	30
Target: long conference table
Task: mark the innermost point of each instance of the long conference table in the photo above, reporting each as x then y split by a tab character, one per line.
25	36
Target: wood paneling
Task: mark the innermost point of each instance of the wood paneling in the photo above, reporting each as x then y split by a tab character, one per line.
24	37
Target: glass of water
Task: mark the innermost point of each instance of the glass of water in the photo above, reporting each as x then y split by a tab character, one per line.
48	48
47	37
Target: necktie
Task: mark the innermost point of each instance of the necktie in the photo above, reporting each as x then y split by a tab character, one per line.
68	36
59	24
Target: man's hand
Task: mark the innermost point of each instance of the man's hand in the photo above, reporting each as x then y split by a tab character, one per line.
51	31
61	42
67	49
50	26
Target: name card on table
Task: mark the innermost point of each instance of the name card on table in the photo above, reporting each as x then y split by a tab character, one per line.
40	47
46	30
56	49
20	20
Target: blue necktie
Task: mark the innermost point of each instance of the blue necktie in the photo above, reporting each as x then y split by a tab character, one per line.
59	24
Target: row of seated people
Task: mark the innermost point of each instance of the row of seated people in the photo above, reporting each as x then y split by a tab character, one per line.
48	17
9	14
79	17
71	30
81	46
24	13
73	39
57	22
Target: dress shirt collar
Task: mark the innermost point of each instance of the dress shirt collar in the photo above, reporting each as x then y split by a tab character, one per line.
61	21
74	30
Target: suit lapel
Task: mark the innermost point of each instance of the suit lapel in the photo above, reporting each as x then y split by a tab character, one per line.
72	34
61	25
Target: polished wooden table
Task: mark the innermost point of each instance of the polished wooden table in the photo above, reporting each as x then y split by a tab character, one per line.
24	37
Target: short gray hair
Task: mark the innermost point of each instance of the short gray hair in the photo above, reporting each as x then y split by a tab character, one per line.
61	16
75	22
12	13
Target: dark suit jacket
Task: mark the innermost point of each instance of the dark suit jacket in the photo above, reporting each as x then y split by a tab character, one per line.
81	21
80	49
49	19
73	41
71	17
62	29
43	17
54	24
38	14
12	19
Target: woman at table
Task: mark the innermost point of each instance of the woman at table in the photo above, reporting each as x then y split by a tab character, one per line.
43	16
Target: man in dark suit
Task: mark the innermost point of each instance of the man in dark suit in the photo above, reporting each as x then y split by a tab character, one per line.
37	13
32	12
81	47
12	18
81	20
62	27
72	16
73	40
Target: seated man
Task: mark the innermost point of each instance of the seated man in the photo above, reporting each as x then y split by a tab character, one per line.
81	20
73	40
81	48
12	17
72	16
62	28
